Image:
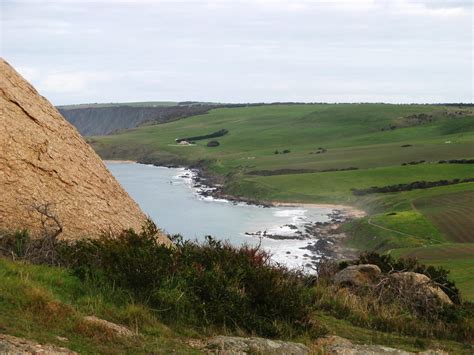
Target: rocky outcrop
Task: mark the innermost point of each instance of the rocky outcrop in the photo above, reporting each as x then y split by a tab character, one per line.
358	275
47	170
421	285
116	329
334	345
237	345
14	345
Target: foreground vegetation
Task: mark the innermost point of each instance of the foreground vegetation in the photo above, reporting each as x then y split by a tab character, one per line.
168	295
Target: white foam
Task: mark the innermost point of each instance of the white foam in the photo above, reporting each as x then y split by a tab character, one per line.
292	253
290	213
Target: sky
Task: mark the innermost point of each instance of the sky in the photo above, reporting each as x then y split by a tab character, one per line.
394	51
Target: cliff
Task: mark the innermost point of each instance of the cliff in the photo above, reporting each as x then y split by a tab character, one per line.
46	167
95	121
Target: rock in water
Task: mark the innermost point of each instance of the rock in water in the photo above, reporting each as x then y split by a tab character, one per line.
45	162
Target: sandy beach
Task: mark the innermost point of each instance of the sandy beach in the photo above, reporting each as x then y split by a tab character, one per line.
349	211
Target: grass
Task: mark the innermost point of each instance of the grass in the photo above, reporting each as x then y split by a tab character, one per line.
353	135
335	187
41	303
456	257
453	214
345	329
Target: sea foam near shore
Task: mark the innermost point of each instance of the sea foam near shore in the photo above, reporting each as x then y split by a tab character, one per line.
284	237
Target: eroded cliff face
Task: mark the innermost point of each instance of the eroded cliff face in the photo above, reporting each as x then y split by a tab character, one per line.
45	162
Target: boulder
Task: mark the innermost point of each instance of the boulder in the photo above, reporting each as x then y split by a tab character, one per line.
421	284
114	328
358	275
236	345
48	173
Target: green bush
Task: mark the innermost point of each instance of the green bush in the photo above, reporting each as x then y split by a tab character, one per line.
15	243
207	285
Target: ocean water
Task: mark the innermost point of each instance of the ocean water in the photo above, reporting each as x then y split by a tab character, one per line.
167	195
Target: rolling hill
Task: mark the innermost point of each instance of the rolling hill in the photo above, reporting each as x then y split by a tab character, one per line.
319	153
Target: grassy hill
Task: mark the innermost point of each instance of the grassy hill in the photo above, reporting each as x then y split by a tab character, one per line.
320	152
48	304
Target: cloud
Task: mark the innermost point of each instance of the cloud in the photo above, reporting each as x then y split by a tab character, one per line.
241	50
431	8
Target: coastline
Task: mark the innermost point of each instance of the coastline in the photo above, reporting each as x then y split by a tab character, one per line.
327	236
348	210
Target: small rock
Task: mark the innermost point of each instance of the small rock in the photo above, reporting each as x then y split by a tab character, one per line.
117	329
226	345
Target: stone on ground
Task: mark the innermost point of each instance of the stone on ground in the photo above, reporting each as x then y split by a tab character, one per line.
224	345
14	345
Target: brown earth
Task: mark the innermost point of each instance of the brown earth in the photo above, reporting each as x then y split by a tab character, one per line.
44	162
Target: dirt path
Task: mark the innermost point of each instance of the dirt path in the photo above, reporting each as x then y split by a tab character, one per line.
369	221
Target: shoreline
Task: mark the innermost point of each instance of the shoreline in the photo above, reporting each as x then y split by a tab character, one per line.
327	236
346	209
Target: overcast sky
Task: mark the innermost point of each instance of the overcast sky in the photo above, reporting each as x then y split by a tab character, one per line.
80	51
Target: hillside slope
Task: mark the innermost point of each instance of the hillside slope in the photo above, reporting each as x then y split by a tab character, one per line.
320	153
106	120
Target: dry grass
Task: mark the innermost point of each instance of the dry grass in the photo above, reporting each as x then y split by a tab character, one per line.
362	308
96	331
43	308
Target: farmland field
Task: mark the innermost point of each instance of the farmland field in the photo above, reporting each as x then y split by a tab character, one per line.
453	214
457	258
318	153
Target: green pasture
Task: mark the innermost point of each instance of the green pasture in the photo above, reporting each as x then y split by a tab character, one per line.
456	257
351	134
374	138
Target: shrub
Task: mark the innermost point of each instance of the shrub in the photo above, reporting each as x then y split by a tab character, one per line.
389	264
213	144
408	187
219	133
206	285
15	244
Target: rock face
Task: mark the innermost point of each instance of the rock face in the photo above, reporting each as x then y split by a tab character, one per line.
358	275
45	165
237	345
420	284
95	121
13	345
334	345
